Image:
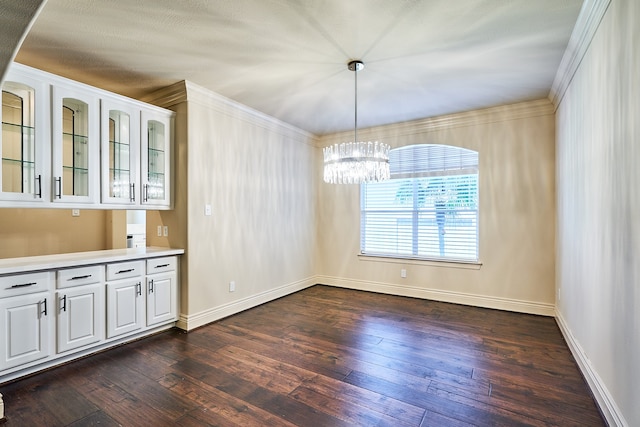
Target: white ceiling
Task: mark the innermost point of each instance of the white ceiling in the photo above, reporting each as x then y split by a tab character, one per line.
287	58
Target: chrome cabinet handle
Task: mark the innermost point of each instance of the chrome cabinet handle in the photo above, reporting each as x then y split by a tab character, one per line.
132	192
44	312
39	182
64	303
161	265
139	288
86	276
58	190
151	286
125	271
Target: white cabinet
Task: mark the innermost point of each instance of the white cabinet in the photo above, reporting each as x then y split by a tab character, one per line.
120	151
69	145
25	318
155	157
162	290
125	302
53	311
75	136
81	308
24	140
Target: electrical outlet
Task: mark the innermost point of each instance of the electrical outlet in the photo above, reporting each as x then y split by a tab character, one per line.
159	231
403	273
75	212
232	286
165	231
207	210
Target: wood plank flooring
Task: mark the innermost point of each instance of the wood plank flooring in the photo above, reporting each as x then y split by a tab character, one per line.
323	357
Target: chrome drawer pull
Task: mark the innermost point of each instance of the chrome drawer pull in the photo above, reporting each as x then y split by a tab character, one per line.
23	285
86	276
161	265
125	271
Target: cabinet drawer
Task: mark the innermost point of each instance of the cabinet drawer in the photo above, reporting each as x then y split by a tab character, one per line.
161	265
22	284
80	276
122	270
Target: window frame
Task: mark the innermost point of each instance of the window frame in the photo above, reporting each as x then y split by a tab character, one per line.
417	166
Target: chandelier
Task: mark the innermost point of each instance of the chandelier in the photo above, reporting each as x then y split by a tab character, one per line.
356	162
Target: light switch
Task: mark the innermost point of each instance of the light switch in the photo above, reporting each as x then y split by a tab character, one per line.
207	210
159	231
165	231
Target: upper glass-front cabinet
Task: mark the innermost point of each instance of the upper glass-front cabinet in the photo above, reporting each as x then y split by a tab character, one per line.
155	158
120	152
23	140
76	145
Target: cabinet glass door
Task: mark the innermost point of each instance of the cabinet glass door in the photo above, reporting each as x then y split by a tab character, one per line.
155	167
155	159
76	144
21	178
119	155
120	148
75	154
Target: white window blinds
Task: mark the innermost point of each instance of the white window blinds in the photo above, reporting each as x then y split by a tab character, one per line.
429	207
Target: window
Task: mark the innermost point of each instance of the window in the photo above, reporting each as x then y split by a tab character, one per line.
427	210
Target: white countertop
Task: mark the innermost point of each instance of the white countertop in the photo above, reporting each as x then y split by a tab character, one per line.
75	259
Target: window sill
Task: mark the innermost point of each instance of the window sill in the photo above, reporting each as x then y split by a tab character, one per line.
469	265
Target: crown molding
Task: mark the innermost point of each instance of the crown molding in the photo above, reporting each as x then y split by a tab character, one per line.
521	110
186	91
168	96
585	29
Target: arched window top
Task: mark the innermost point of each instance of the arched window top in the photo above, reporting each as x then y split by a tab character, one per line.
422	160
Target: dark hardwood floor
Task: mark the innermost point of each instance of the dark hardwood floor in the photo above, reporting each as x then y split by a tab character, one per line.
323	357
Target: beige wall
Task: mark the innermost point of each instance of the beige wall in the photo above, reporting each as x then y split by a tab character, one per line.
28	232
598	137
259	177
517	211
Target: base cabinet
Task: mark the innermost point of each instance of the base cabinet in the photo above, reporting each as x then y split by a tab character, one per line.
49	316
25	324
161	299
124	307
162	289
125	302
80	320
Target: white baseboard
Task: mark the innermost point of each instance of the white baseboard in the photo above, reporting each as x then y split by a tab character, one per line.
607	405
216	313
440	295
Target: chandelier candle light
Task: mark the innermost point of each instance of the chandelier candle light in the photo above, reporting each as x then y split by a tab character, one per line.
356	162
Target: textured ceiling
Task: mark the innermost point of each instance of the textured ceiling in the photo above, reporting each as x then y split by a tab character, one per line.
287	58
15	19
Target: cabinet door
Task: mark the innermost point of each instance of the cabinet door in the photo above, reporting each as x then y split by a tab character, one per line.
80	316
75	126
125	306
161	298
24	140
120	124
155	158
25	329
